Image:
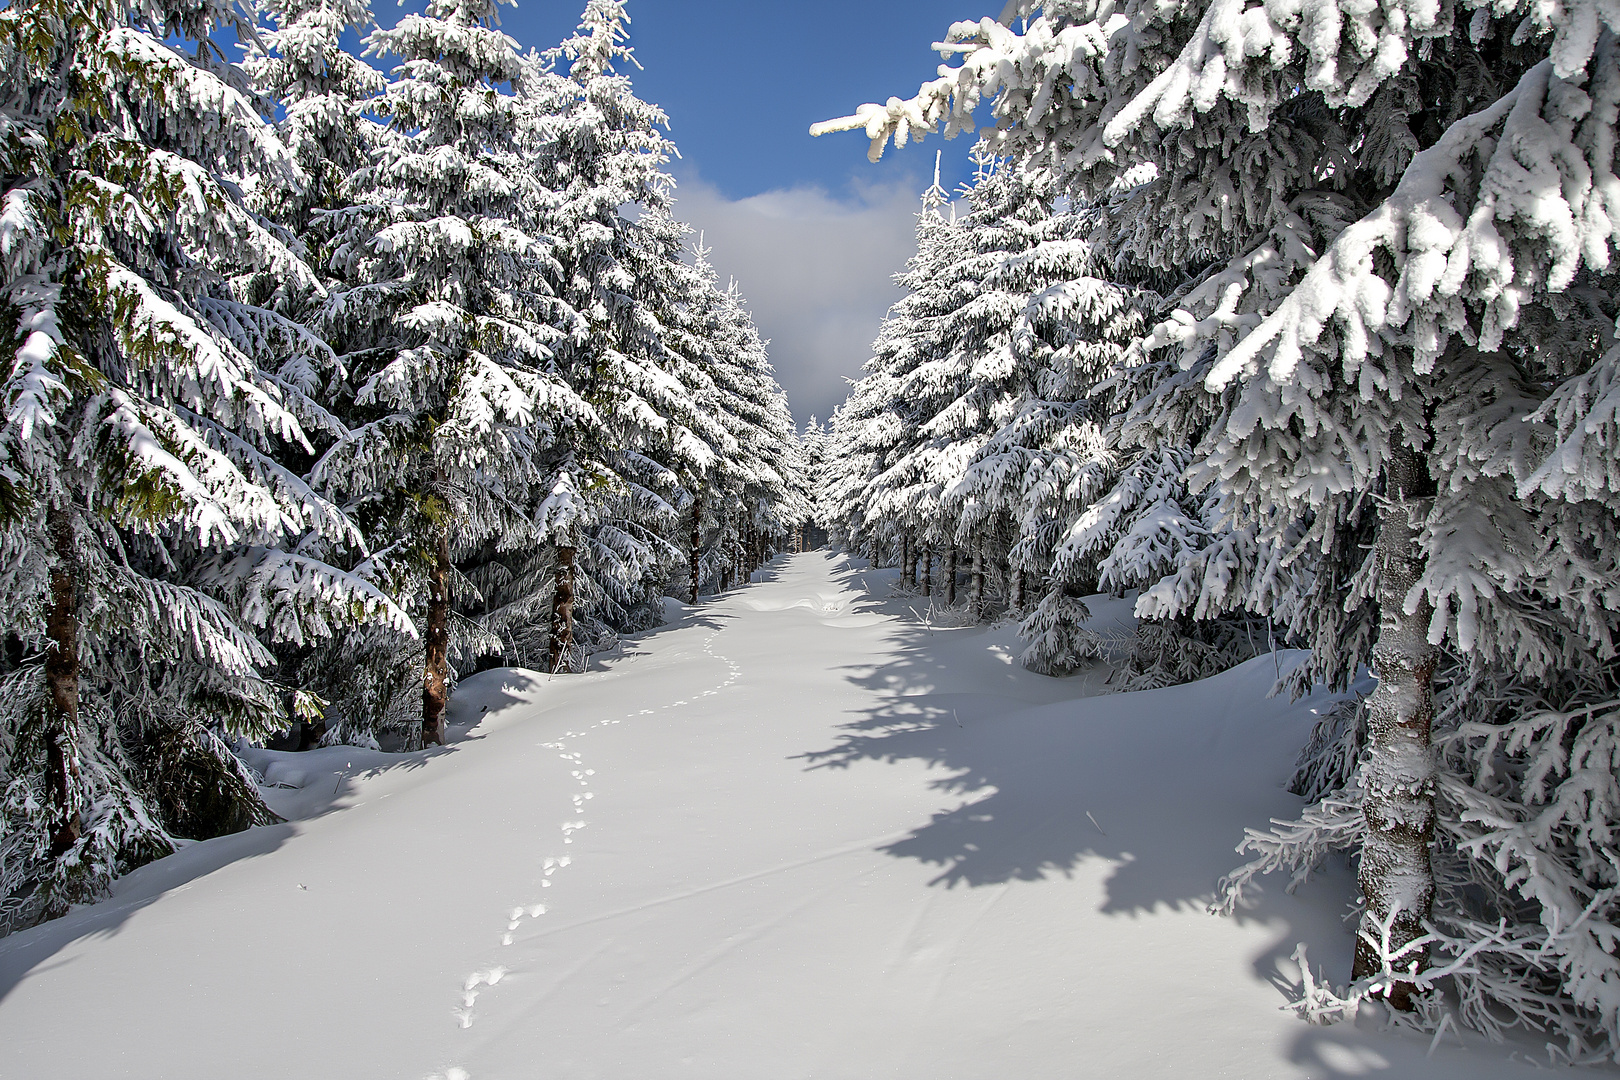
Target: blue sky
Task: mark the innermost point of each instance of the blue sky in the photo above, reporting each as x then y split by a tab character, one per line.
810	230
743	81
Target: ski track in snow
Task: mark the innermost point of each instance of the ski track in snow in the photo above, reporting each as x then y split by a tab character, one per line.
489	977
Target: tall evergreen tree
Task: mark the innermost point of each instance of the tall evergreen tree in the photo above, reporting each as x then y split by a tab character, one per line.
878	425
814	471
150	531
1399	221
603	151
455	399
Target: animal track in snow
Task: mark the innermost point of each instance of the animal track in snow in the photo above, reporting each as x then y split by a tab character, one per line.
551	864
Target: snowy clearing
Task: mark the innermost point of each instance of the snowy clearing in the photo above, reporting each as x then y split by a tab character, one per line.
799	832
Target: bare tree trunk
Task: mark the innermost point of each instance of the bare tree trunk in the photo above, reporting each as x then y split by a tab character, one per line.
908	562
562	607
1017	596
1396	875
950	576
928	571
62	681
730	575
976	589
436	661
697	542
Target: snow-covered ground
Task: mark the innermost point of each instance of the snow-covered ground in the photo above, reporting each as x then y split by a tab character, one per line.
800	832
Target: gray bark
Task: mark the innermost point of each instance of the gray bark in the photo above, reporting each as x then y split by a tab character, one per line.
436	644
1396	874
62	682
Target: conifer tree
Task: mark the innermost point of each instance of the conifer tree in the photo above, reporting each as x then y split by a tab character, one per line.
454	399
1398	217
815	470
323	91
878	426
602	151
150	532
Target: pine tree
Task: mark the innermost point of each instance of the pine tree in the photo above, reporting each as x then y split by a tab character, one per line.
602	151
752	489
877	427
1398	220
815	471
151	534
322	92
454	399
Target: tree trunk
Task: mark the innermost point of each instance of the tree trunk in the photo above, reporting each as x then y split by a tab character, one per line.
729	576
697	542
1396	875
928	571
436	662
908	562
62	681
562	607
950	576
1017	597
976	588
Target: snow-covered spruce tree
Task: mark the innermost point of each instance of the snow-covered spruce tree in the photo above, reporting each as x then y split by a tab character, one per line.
1033	323
749	496
453	401
692	334
1048	464
323	93
148	528
877	429
858	439
928	347
603	151
815	471
1403	376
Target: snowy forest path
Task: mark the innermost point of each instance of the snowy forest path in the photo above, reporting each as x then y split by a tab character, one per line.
801	831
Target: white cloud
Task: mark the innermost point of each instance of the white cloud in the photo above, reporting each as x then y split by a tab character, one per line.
816	271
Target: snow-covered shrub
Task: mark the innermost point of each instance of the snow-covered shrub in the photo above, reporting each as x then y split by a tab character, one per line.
1169	652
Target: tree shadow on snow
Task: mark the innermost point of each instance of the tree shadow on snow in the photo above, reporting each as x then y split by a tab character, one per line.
299	786
1158	786
23	953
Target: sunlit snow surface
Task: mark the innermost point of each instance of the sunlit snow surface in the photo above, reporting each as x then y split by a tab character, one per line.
800	832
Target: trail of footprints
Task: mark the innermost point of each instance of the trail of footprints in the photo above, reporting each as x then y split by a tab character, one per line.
551	864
